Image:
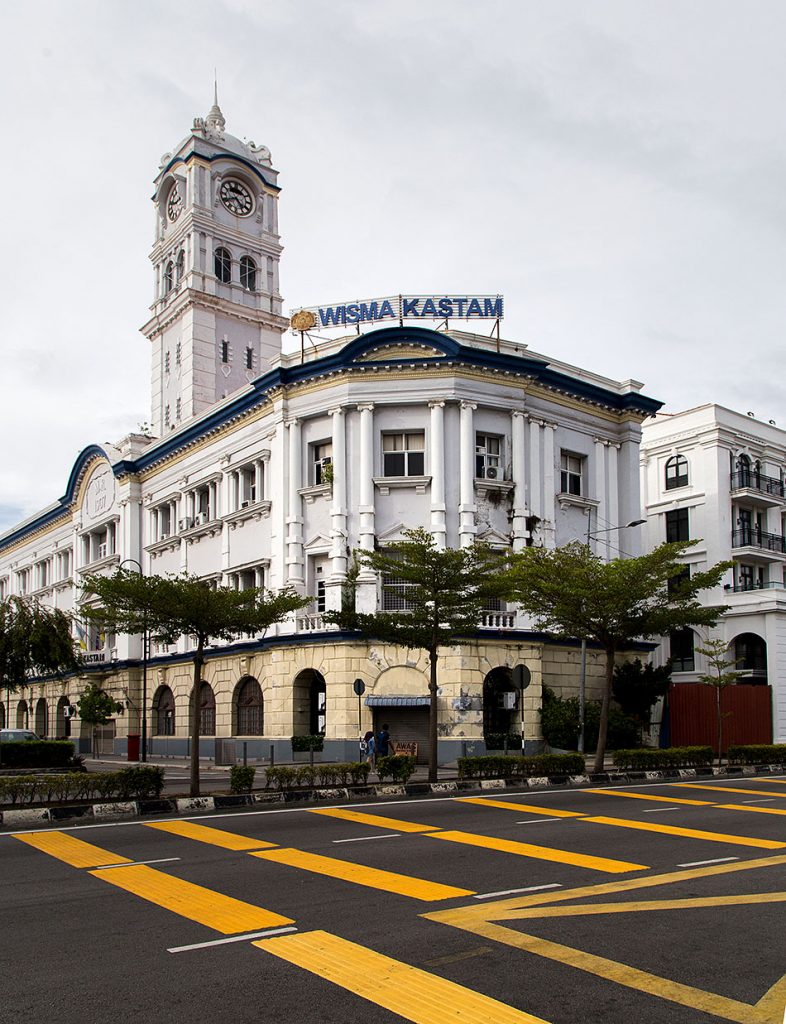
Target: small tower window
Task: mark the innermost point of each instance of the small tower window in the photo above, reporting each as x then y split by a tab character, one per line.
248	273
249	358
224	351
166	362
223	265
178	351
181	266
169	272
166	416
178	408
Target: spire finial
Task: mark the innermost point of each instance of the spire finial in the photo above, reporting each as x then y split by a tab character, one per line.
215	120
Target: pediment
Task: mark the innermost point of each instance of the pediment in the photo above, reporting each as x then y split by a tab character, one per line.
385	353
319	542
393	535
494	538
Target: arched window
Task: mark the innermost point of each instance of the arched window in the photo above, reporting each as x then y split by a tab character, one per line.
676	472
61	722
681	644
223	265
169	277
207	710
41	718
164	712
2	716
750	657
181	266
249	708
743	471
248	273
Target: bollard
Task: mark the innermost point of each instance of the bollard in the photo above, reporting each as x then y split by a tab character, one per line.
272	755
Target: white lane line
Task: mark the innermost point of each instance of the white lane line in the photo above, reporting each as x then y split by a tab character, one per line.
134	863
535	821
699	863
513	892
234	938
659	810
365	839
766	800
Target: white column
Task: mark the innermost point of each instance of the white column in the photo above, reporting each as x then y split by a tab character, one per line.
259	482
518	466
295	566
535	495
366	594
549	486
437	471
599	493
622	538
467	506
234	490
338	514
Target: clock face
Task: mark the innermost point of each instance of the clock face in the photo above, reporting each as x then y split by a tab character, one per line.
236	198
174	205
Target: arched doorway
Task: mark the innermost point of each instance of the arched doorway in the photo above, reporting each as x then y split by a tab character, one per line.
310	703
749	652
22	714
163	712
2	716
62	724
207	710
248	708
41	718
500	707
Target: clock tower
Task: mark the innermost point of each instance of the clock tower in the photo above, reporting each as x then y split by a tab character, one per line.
216	320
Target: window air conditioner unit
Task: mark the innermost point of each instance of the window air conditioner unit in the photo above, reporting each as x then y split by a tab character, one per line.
491	472
200	519
185	524
102	549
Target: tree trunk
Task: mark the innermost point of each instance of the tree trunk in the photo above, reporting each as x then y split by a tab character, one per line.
603	727
432	716
720	721
198	663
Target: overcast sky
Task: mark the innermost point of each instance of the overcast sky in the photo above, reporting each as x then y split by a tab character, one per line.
616	169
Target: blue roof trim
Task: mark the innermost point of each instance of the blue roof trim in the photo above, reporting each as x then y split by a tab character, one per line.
226	155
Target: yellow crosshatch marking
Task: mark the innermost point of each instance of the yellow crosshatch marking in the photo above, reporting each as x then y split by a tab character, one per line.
212	909
648	796
408	991
374	878
482	920
373	819
75	852
580	860
509	805
688	833
751	810
212	836
730	789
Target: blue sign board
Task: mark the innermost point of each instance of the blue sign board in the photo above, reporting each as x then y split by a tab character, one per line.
408	307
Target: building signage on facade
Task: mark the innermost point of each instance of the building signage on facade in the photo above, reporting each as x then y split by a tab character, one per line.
400	308
94	657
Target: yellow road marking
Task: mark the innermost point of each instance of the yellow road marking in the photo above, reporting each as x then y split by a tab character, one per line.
373	819
688	833
772	1005
73	851
644	906
729	789
753	810
580	860
374	878
212	909
648	796
213	836
408	991
509	805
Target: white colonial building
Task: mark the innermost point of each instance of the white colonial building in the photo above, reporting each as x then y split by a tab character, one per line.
269	468
717	476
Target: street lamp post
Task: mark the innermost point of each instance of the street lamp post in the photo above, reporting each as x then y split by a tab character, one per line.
583	675
143	745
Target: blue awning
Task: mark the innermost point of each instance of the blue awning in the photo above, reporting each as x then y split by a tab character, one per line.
397	702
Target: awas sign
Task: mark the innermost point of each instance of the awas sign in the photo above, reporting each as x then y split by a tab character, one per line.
405	307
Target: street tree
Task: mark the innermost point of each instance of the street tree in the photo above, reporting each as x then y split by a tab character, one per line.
169	607
722	674
444	594
34	641
570	592
637	688
97	707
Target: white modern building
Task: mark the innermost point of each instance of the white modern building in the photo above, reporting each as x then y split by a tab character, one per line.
717	476
270	468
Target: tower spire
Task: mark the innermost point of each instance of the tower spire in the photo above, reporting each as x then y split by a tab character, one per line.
215	121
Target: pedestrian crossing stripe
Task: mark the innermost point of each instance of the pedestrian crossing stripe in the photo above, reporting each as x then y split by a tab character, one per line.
730	789
372	819
71	850
647	796
510	805
212	836
580	860
688	833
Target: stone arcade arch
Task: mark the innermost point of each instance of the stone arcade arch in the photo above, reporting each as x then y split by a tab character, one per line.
248	708
41	718
207	709
163	712
500	703
309	696
62	724
22	713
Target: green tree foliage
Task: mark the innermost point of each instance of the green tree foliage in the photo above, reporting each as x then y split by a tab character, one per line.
561	724
447	591
34	641
722	674
97	707
169	607
571	592
637	688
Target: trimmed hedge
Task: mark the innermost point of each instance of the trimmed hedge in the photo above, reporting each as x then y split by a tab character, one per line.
37	754
757	753
307	776
398	767
306	743
135	783
652	759
538	766
241	778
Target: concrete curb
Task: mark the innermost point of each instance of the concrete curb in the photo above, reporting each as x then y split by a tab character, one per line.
32	816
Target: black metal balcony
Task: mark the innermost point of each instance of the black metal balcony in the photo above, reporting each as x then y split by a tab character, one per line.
744	588
750	537
750	479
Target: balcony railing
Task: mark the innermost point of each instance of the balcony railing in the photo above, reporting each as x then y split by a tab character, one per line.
497	620
753	538
757	482
744	588
312	622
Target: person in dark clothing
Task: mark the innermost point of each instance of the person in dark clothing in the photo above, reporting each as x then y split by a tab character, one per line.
383	742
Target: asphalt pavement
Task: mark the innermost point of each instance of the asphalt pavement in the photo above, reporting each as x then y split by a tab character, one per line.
656	903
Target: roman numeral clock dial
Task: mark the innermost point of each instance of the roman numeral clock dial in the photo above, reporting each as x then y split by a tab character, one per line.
236	198
174	204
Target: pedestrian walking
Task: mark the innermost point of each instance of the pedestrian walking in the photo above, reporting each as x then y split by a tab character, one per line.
367	748
383	742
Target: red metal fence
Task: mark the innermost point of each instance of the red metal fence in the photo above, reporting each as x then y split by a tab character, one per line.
746	710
